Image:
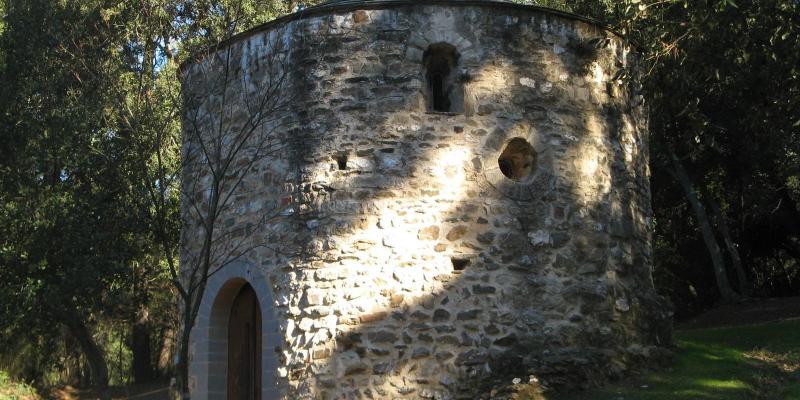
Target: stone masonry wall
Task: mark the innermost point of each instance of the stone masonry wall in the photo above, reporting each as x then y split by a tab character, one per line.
403	263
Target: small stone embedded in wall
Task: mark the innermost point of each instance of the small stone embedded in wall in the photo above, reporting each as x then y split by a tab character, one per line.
507	341
396	300
321	354
486	237
373	317
315	297
468	315
360	16
428	233
622	305
350	363
381	368
441	315
420	352
540	238
482	289
524	81
382	337
457	232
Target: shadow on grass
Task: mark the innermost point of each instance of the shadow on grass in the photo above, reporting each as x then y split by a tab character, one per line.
750	362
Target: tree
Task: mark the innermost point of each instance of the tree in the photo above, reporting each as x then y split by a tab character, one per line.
720	273
737	148
161	35
733	251
218	160
68	233
212	169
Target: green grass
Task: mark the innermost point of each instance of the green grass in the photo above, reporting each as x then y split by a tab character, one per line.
11	390
750	362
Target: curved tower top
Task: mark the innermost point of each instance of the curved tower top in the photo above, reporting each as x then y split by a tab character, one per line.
334	6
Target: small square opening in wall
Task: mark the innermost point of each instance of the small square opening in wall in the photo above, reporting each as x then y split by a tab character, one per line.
460	263
341	161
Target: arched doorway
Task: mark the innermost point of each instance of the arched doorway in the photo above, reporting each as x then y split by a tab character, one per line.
209	359
244	346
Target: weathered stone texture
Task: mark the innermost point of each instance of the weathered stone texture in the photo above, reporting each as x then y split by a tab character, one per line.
379	199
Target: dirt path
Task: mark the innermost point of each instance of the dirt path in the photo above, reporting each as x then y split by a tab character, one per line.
747	312
150	391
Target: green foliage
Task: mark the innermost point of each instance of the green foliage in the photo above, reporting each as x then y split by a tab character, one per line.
68	233
89	219
554	4
12	390
723	88
749	362
113	339
2	29
206	22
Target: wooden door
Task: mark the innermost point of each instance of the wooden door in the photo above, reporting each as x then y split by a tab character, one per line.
244	347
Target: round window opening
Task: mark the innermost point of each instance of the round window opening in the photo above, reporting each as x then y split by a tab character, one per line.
517	160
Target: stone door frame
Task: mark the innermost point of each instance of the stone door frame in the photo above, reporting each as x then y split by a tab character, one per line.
208	365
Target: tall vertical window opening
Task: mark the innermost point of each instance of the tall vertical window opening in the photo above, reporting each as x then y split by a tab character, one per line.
443	91
440	101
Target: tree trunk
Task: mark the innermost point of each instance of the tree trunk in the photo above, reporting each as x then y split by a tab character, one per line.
97	363
165	355
140	347
744	285
726	293
182	367
72	374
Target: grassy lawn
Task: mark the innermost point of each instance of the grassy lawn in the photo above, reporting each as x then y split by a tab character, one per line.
748	362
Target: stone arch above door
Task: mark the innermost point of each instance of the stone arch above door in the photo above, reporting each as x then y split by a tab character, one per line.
209	349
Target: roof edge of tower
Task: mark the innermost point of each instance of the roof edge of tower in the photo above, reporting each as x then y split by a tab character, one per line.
352	5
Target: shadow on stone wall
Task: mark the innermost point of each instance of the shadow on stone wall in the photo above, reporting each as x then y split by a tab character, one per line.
414	267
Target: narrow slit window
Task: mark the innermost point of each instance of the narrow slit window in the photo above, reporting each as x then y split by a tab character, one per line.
440	101
444	91
341	161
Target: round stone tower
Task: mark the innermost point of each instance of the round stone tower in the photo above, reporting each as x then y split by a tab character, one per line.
421	195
